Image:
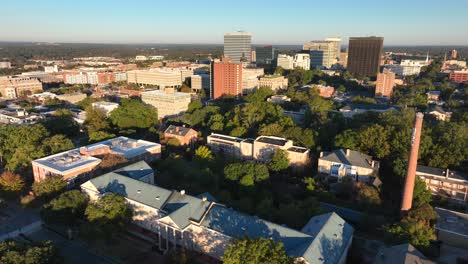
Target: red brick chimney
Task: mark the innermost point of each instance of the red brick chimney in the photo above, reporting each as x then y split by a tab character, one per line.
412	164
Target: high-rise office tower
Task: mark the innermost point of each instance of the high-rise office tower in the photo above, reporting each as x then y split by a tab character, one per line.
323	54
364	55
385	83
408	190
337	43
238	46
226	78
266	56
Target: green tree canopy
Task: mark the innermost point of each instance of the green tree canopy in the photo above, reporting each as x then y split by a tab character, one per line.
259	95
279	161
134	114
110	214
247	174
256	251
67	208
48	187
12	252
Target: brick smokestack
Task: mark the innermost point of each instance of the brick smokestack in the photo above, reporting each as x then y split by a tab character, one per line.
412	163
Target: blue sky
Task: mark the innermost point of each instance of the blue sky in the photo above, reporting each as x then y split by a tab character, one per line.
408	22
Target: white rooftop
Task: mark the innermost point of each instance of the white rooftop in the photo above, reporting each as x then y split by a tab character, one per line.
69	160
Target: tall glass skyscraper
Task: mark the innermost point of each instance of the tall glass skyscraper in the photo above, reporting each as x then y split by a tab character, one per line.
238	46
266	56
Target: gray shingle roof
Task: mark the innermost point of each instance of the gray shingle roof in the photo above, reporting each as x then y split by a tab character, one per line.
354	158
182	208
135	190
135	171
401	254
324	239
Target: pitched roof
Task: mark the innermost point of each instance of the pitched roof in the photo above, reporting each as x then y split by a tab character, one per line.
404	254
182	208
436	108
354	158
235	224
332	236
177	130
148	194
324	238
135	170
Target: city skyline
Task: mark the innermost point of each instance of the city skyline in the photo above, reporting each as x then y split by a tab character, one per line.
402	23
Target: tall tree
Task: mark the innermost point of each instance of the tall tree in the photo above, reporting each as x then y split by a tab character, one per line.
134	114
256	251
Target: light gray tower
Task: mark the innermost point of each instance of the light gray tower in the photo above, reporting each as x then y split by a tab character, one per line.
238	46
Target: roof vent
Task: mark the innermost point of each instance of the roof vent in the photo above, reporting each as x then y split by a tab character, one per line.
204	199
139	191
182	192
157	197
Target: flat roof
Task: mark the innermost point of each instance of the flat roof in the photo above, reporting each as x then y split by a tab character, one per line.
452	221
272	140
298	149
228	138
73	159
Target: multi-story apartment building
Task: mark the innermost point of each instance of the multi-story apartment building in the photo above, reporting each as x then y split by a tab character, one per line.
259	149
238	46
348	163
105	107
275	82
77	164
364	55
250	79
75	78
323	53
266	56
385	83
226	78
445	183
459	76
169	103
302	60
14	86
167	77
337	44
174	219
185	135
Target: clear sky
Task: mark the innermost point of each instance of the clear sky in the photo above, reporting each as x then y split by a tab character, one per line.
401	22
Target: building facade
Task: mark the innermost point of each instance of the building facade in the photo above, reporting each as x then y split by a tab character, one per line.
238	46
250	77
285	61
302	60
459	76
445	183
385	83
169	103
348	163
167	77
5	65
259	149
186	136
266	56
323	54
172	219
364	55
14	86
77	164
226	78
275	82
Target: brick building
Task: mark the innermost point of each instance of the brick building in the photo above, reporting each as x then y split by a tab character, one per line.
459	76
185	135
77	164
226	78
385	84
14	86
